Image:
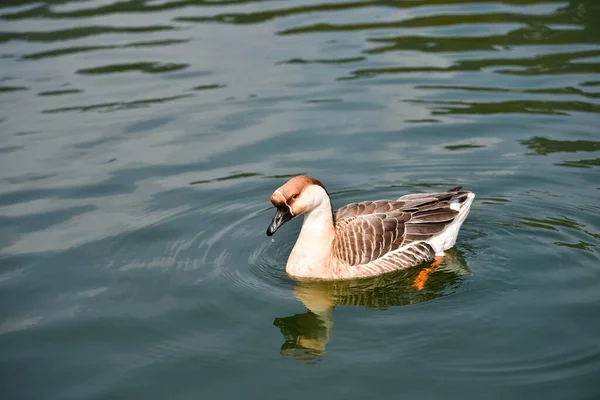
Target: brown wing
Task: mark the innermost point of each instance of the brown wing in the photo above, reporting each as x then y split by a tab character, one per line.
369	230
366	231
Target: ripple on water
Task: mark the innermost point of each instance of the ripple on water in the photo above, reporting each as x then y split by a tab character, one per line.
556	364
144	137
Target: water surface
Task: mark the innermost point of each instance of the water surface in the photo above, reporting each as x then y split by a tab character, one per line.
141	140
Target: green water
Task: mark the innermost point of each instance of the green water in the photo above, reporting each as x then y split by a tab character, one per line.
141	140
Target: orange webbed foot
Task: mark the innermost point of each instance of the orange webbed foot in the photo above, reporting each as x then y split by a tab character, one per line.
423	276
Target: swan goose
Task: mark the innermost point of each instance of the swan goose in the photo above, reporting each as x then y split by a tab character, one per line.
368	238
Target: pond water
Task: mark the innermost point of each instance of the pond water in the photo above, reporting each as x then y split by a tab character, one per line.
141	140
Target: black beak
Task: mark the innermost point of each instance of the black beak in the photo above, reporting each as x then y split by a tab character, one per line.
282	216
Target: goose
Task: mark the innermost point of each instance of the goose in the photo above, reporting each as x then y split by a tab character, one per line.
367	238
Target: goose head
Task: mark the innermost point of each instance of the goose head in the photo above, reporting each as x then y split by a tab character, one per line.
300	195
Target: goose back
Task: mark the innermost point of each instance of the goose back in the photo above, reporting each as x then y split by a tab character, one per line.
371	231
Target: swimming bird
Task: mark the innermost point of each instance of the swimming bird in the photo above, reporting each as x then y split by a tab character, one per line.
367	238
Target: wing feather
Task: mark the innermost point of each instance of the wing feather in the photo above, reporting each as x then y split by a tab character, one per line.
371	230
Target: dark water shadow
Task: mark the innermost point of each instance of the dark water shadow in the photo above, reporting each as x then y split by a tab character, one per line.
307	334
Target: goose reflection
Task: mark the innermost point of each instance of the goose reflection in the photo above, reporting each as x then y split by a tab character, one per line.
307	334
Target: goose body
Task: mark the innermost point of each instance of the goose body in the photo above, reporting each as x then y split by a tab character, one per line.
368	238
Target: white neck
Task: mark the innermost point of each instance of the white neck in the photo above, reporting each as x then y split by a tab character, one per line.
310	255
318	221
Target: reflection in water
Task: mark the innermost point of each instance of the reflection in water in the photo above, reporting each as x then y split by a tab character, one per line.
85	49
76	33
557	91
463	42
307	334
581	163
114	106
557	224
544	146
145	67
509	107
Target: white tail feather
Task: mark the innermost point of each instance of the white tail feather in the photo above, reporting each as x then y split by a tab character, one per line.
447	238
